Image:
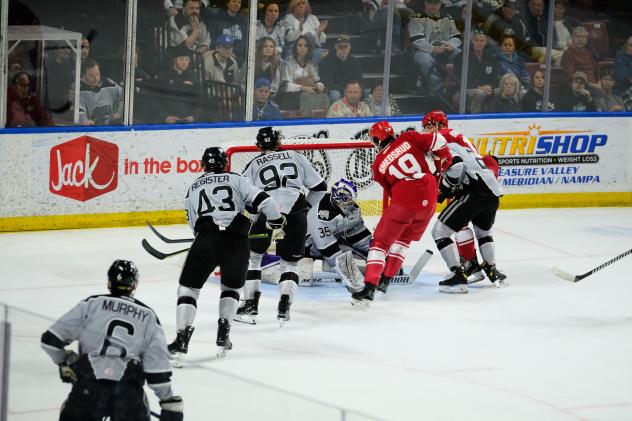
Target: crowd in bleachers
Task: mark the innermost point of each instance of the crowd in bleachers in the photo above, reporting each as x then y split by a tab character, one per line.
324	58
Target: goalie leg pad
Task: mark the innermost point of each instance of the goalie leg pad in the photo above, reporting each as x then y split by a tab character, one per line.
349	272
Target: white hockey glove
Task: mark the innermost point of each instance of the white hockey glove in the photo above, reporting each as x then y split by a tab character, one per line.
349	272
66	373
172	409
276	225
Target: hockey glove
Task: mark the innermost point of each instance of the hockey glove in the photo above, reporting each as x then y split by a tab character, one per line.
171	409
66	373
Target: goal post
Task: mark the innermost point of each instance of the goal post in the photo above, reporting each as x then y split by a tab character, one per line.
334	159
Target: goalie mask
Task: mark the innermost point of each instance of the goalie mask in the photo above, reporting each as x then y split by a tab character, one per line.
344	193
214	159
122	278
268	139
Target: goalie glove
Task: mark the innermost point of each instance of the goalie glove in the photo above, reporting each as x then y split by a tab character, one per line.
276	225
172	409
349	272
66	373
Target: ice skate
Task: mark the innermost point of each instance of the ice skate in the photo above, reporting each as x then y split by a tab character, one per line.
473	271
180	346
499	279
363	298
223	341
384	283
284	309
248	310
455	283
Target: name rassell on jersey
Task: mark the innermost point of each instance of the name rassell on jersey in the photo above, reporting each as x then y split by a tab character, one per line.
271	157
209	179
117	306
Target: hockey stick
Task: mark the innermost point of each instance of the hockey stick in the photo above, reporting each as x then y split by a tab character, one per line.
158	254
576	278
168	240
419	265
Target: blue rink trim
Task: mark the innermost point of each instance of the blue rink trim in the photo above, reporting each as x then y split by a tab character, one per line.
302	122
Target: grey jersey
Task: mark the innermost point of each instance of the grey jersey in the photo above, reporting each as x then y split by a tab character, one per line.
283	175
223	196
113	331
472	172
327	223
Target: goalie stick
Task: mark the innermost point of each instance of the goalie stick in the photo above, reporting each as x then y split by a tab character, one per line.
419	265
576	278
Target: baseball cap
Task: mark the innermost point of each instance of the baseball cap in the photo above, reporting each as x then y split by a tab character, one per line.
580	75
180	51
343	39
225	40
262	82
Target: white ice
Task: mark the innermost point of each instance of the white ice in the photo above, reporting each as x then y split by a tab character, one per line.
541	349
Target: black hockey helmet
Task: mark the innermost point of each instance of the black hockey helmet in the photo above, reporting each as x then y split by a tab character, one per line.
268	139
214	159
122	277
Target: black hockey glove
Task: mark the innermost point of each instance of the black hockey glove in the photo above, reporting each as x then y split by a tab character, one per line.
275	224
66	373
171	409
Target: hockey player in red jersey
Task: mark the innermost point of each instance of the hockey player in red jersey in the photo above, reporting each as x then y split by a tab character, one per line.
404	167
437	121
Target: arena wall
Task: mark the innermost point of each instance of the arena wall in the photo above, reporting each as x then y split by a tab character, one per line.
76	178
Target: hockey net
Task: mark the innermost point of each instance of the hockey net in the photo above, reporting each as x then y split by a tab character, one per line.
334	159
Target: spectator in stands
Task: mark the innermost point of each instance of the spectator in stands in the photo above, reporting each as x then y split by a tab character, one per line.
263	107
100	99
301	87
85	48
188	29
338	69
578	58
606	99
267	64
179	98
350	105
483	73
507	100
19	58
224	67
623	67
532	100
269	26
174	7
300	21
375	98
377	13
507	20
23	107
436	42
575	97
60	75
562	28
535	19
229	22
511	62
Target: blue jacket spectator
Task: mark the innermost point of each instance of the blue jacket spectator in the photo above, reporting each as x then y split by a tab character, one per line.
511	62
262	107
623	67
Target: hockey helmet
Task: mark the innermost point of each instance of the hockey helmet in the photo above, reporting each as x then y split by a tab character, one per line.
436	118
344	192
122	277
268	139
214	159
381	133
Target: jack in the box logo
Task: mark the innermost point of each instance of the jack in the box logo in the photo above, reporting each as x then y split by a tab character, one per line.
83	168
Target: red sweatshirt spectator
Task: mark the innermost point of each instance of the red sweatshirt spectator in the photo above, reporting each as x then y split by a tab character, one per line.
23	107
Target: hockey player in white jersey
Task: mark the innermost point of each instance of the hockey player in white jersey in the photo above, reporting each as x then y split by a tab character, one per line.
284	175
121	344
335	222
476	194
215	205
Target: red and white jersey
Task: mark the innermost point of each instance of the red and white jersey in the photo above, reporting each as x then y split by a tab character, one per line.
408	159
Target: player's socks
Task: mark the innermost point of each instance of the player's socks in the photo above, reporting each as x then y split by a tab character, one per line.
455	282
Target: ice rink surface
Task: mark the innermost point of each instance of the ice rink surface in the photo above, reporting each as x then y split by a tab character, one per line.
541	349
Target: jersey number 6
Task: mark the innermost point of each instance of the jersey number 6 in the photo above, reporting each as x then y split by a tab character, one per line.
107	343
